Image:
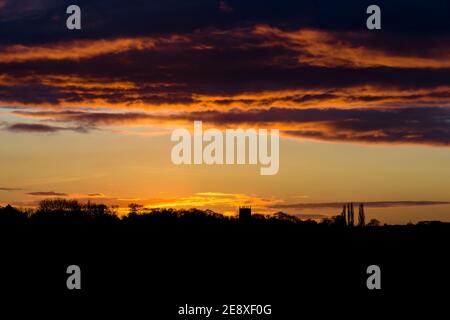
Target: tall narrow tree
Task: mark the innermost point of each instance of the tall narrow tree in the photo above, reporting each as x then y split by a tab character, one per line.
352	215
361	216
343	218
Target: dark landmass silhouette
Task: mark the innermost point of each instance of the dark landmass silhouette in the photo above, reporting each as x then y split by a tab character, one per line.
158	259
54	211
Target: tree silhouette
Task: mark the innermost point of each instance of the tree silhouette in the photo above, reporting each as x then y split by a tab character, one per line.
343	215
59	206
54	211
361	216
374	223
352	215
135	208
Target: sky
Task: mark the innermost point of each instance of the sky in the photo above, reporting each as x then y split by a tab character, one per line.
364	115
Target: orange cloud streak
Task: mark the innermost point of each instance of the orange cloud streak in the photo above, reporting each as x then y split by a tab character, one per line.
327	49
82	49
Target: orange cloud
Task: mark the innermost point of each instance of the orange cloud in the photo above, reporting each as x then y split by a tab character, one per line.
217	69
334	49
417	125
82	49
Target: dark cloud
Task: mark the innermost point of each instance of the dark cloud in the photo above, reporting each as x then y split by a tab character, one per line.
48	193
427	125
200	77
370	204
9	189
30	127
403	125
307	216
278	61
88	117
35	93
176	67
41	128
215	64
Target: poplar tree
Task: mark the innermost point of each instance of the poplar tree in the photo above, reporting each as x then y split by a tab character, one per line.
361	216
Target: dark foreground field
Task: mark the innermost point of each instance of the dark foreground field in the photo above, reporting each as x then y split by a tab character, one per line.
151	266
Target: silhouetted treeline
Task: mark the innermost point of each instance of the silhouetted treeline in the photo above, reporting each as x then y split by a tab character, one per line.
72	211
195	254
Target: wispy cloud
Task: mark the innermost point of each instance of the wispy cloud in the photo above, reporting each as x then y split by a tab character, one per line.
47	194
96	195
369	204
9	189
418	125
42	128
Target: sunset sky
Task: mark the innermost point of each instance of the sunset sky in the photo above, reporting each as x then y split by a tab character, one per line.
364	116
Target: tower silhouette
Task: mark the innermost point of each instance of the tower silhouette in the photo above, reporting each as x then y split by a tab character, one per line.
245	213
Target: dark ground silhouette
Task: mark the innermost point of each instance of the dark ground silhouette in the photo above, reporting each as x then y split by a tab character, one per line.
162	258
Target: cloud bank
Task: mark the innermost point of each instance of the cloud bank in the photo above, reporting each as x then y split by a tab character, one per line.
315	74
